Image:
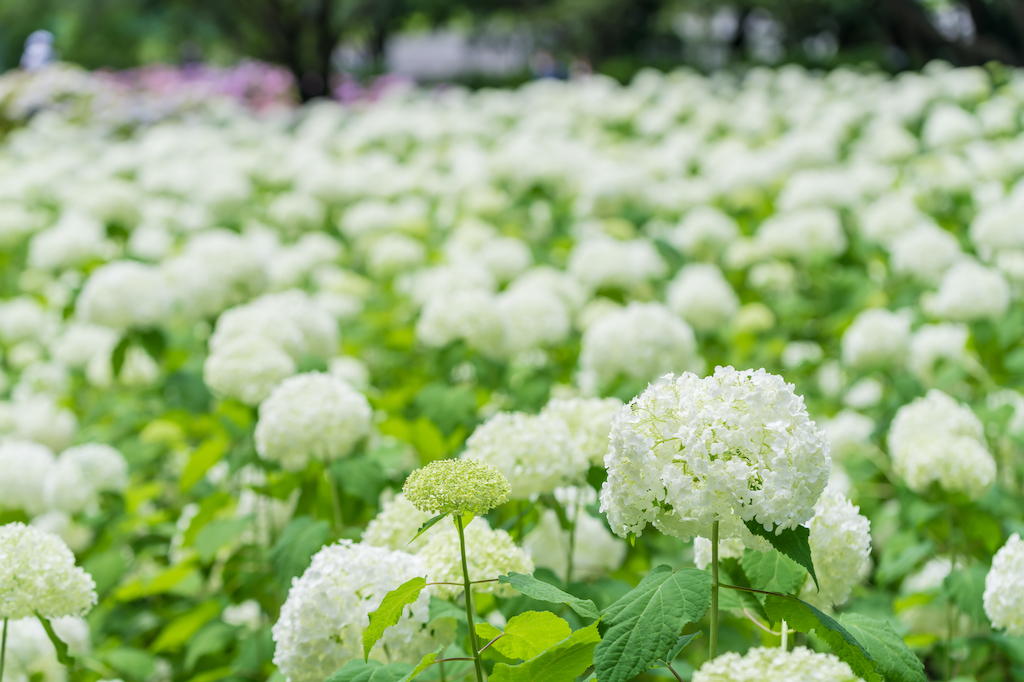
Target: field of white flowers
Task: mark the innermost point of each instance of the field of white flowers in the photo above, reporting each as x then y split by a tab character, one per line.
228	339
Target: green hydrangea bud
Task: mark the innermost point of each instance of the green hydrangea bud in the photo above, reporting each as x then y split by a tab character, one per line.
453	486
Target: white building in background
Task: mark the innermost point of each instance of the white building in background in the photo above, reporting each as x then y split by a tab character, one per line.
447	53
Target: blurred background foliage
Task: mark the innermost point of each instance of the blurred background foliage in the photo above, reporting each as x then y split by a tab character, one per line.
318	39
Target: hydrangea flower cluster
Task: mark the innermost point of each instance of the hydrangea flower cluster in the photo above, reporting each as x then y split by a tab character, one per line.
314	415
38	574
396	524
452	486
589	421
81	473
734	447
1004	587
763	663
935	439
489	553
840	549
322	621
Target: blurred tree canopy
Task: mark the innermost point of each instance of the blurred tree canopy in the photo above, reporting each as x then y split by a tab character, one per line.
615	36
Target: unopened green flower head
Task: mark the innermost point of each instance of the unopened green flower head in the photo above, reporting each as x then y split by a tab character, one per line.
453	486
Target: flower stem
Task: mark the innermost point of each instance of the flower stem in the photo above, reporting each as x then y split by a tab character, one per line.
332	483
785	636
3	651
950	609
572	541
714	590
469	601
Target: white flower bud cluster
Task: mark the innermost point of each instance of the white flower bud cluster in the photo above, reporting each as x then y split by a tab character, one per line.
734	447
935	439
38	575
322	621
774	663
489	553
1004	587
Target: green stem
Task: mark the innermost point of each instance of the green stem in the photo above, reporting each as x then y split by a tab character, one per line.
3	651
339	523
950	609
469	601
714	590
572	541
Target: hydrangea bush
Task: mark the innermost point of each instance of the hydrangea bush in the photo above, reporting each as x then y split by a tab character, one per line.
710	378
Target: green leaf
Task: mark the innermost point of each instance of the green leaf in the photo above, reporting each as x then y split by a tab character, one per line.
893	657
526	635
179	630
390	610
154	343
301	539
426	526
773	571
424	663
901	554
216	534
803	617
966	588
213	637
644	625
360	477
372	671
205	456
542	591
793	542
681	643
117	357
58	644
563	662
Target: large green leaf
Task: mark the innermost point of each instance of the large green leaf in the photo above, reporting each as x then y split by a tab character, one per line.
644	626
424	663
301	539
542	591
390	610
683	642
773	571
894	659
966	588
526	635
563	662
803	617
427	525
793	542
373	671
218	533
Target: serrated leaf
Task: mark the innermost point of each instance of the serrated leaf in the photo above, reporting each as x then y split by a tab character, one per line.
893	657
526	635
803	617
563	662
773	571
542	591
644	625
426	526
793	542
424	663
373	671
681	643
966	588
390	610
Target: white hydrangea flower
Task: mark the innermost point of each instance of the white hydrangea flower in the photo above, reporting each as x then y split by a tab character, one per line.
504	257
24	319
775	663
840	549
935	439
734	447
969	291
641	341
31	656
396	524
79	343
139	369
38	574
322	621
248	614
124	294
41	419
703	232
489	554
291	319
948	125
247	369
311	415
702	296
589	421
74	240
797	353
802	234
536	453
772	277
728	548
77	536
596	552
468	315
352	370
924	253
81	473
393	254
865	393
876	337
890	216
933	343
1004	587
531	317
24	469
606	262
847	432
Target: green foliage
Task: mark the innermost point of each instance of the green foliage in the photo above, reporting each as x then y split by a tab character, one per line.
372	671
563	662
893	658
773	571
803	617
525	635
542	591
683	642
301	539
644	626
966	588
793	542
390	610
